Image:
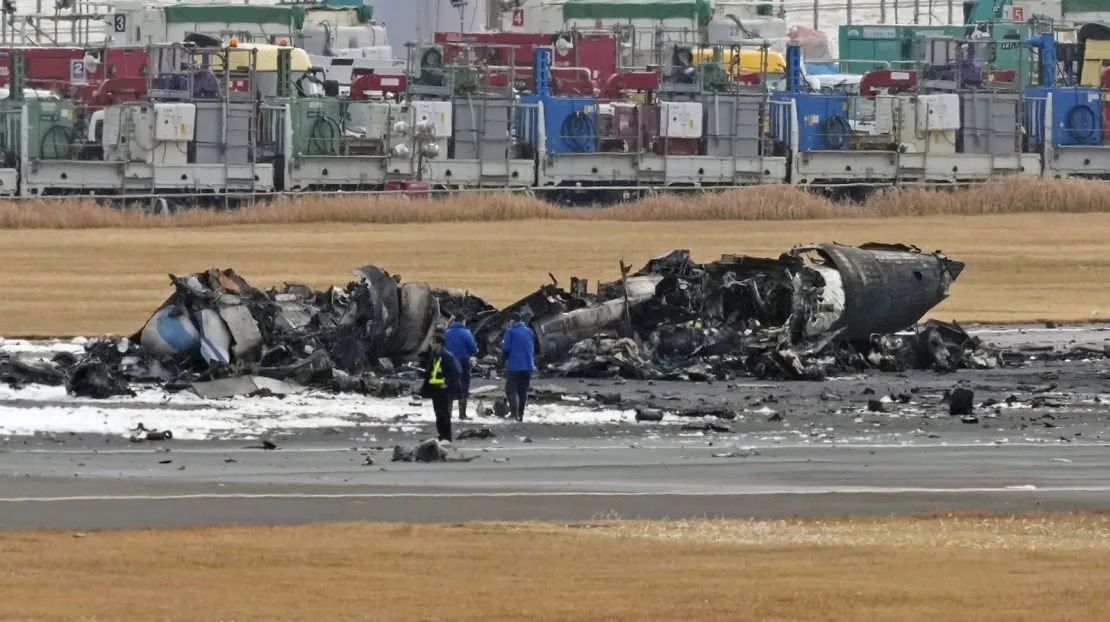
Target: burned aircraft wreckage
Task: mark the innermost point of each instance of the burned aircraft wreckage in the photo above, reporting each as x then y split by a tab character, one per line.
816	310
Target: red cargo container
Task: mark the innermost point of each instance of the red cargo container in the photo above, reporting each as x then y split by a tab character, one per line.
96	77
51	69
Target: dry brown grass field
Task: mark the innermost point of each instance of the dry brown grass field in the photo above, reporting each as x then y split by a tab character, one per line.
92	281
931	568
754	203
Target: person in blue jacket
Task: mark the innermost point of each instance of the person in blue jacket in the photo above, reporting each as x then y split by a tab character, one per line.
441	384
518	353
460	342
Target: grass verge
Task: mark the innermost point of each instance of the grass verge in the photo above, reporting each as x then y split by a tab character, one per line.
755	203
927	568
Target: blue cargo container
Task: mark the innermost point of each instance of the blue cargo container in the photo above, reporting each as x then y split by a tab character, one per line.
822	119
1076	115
570	123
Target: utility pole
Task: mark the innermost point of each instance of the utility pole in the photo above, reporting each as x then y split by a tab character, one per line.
461	6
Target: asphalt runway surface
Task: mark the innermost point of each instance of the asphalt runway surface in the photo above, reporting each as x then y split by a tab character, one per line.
315	484
1040	442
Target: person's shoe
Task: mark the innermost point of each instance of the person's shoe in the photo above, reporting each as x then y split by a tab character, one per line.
463	417
444	441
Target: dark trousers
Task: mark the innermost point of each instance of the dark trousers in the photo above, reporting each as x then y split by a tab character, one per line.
516	391
441	404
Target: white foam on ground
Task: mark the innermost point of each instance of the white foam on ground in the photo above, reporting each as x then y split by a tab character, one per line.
26	349
42	409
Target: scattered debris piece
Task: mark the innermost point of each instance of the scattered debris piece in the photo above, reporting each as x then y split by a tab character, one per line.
701	412
19	373
94	378
707	427
649	414
961	401
1046	388
737	453
141	433
256	386
427	451
608	398
473	433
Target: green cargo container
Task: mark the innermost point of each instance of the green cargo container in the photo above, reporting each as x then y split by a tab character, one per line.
901	46
898	45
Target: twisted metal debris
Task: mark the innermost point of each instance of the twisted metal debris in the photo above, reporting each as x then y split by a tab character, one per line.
814	311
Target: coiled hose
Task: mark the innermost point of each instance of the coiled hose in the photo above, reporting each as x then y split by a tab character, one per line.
836	131
56	143
1082	124
579	131
322	138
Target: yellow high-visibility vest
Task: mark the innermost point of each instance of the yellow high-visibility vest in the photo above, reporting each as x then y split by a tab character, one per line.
437	379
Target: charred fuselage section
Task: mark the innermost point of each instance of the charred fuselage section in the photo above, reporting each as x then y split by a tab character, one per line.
815	310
